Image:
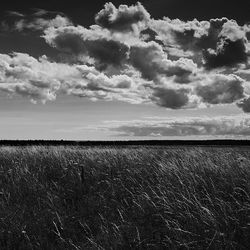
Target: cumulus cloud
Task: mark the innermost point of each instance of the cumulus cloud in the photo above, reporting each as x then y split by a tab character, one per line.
214	43
37	79
124	18
41	79
127	55
228	126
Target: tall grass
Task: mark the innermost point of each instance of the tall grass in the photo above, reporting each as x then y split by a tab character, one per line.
124	198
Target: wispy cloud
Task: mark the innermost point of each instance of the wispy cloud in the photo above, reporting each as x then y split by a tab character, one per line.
223	126
15	13
38	20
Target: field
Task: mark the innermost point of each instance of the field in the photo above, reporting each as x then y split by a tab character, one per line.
137	197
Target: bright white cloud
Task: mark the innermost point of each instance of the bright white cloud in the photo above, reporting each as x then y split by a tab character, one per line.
129	56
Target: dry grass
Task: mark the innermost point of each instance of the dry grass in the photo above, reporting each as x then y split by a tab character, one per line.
124	198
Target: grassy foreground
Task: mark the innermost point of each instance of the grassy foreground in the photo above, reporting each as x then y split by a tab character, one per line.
124	197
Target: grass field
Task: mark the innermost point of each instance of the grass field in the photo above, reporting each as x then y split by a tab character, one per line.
124	197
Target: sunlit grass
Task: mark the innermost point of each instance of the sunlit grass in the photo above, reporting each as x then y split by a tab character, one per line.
124	198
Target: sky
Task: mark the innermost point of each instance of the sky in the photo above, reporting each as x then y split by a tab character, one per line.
124	70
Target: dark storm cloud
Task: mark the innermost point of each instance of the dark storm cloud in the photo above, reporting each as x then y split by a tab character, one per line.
129	56
69	42
245	104
226	44
122	19
149	35
221	89
84	42
150	59
170	98
227	53
107	51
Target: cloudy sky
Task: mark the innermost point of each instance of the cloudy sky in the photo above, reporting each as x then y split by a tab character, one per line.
96	70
